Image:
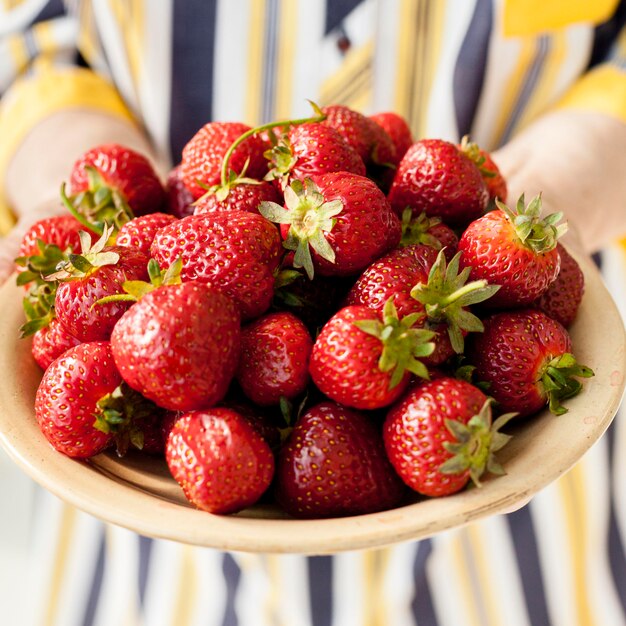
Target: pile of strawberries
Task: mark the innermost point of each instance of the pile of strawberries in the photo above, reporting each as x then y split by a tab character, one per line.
323	313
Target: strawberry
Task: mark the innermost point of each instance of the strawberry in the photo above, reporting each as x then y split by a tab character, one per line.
336	223
429	231
50	342
563	297
242	196
363	362
439	436
112	183
179	198
334	464
496	184
204	153
311	149
178	345
222	464
235	252
274	359
369	139
435	177
139	232
513	248
398	130
526	358
82	405
85	278
394	275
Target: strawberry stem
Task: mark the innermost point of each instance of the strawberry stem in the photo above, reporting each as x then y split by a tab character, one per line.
318	117
94	228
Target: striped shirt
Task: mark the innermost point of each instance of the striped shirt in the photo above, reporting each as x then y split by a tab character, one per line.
451	67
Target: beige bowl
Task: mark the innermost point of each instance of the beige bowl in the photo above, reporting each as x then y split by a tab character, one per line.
139	494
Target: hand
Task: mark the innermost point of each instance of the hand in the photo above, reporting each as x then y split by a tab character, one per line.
577	161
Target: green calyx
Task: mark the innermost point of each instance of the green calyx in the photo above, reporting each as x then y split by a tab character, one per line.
99	205
309	217
476	444
415	230
121	412
318	116
559	380
134	290
223	189
537	234
472	150
38	304
89	260
447	295
403	345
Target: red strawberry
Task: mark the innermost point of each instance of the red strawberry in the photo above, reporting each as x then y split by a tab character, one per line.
311	149
57	230
334	465
50	342
139	233
108	179
371	142
515	249
429	231
178	345
398	130
235	252
496	184
203	155
363	362
526	358
439	436
82	405
274	359
243	196
437	178
337	223
97	272
394	275
563	297
220	461
179	198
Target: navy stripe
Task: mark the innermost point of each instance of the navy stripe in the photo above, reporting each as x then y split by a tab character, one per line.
337	11
422	604
532	76
615	546
145	557
270	57
469	71
96	581
606	34
192	70
52	9
232	576
525	544
321	589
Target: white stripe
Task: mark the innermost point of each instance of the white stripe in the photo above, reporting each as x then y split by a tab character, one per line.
211	588
155	76
441	117
113	44
17	19
398	584
254	592
230	60
386	56
294	605
348	590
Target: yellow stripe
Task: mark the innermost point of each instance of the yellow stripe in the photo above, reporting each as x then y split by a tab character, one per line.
87	34
129	15
381	609
369	589
286	52
573	497
18	51
603	89
512	87
275	588
544	89
66	530
530	17
43	34
465	597
34	98
186	589
353	79
406	51
256	40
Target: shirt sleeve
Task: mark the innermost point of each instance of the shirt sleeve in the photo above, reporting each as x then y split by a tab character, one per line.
39	76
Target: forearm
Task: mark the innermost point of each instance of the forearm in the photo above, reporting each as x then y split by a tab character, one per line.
577	160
